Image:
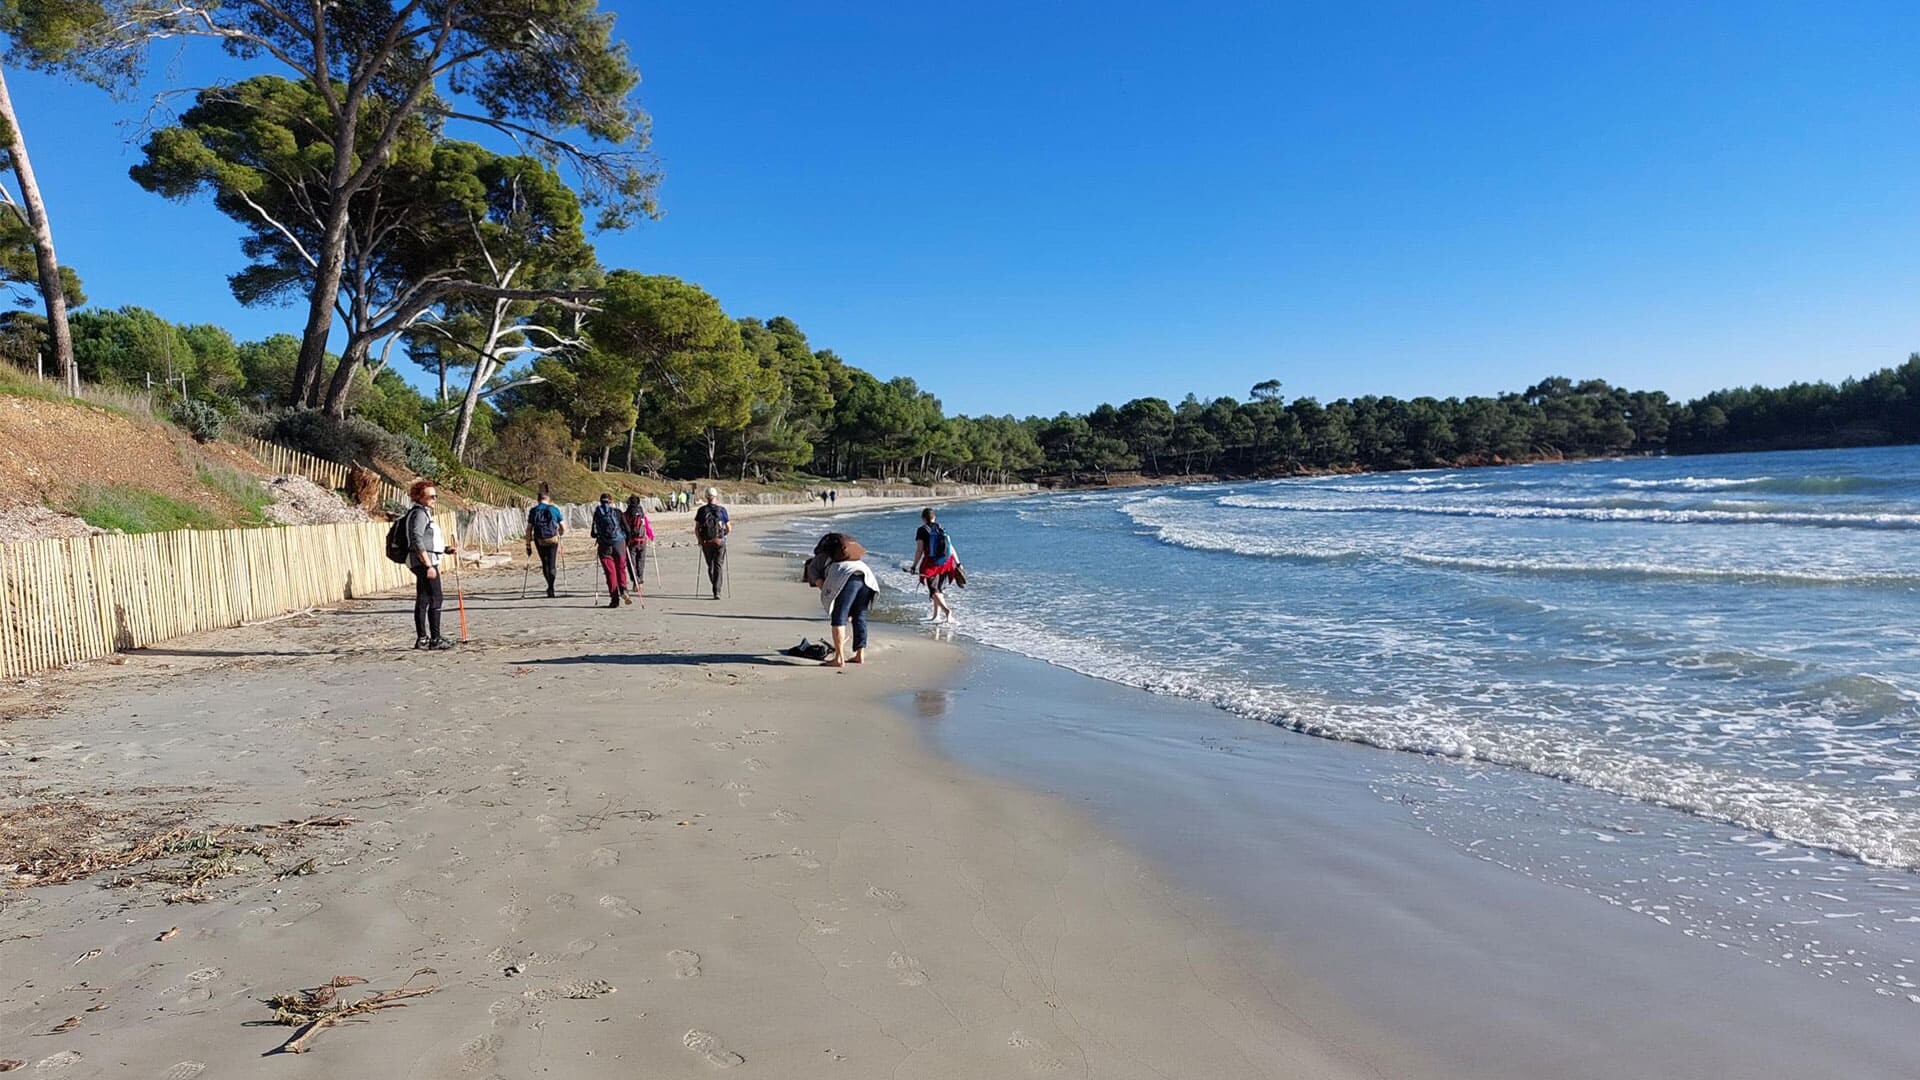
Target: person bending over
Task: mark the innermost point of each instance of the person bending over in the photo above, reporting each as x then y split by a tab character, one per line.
847	588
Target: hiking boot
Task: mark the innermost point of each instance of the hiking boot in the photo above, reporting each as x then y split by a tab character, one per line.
439	644
420	643
615	602
549	592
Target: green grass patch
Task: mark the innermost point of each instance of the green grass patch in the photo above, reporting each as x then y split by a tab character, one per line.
245	491
137	510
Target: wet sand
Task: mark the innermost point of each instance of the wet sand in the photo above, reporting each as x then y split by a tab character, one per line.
619	843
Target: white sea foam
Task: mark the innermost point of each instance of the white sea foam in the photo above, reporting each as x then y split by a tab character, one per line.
1815	815
1171	526
1586	513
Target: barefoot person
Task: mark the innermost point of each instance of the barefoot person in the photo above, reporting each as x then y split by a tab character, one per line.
711	527
545	526
611	536
639	535
425	545
934	561
847	589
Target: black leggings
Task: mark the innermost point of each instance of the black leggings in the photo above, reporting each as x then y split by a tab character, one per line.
549	554
427	599
716	556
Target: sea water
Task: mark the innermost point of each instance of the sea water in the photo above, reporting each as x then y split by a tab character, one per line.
1688	686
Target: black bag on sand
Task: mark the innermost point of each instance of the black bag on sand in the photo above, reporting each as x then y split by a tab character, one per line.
809	650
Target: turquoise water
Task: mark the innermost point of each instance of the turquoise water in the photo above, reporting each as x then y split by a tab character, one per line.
1735	637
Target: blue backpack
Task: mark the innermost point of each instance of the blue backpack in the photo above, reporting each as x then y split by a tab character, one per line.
936	544
545	525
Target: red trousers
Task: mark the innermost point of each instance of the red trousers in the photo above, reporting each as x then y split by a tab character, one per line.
614	562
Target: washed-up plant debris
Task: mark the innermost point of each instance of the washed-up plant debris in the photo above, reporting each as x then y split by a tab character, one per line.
319	1008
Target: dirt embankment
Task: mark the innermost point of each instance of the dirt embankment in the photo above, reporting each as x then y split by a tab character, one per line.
60	460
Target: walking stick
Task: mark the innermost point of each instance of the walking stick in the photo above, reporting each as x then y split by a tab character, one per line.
459	595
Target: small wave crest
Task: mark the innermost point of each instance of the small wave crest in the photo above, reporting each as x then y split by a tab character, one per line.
1644	515
1801	812
1775	485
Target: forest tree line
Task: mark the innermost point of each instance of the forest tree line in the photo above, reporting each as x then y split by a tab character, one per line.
747	398
337	151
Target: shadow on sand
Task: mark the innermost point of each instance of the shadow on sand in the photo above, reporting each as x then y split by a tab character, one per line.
662	659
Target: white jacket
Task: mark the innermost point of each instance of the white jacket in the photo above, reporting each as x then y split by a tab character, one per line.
839	575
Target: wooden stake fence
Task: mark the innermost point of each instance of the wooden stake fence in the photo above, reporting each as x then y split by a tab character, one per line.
328	474
82	598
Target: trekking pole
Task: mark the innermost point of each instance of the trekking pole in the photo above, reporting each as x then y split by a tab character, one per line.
459	595
524	571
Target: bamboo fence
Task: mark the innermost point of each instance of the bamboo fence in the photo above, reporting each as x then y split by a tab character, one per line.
83	598
328	474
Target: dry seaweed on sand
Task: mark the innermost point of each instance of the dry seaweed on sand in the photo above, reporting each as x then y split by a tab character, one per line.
320	1007
209	853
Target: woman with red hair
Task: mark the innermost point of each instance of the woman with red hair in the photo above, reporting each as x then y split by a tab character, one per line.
425	545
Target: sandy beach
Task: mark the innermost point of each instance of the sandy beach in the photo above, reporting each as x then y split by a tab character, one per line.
616	844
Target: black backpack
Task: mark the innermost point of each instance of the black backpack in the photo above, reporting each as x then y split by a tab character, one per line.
706	524
397	546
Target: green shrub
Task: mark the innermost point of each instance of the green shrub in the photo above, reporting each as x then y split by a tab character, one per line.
349	441
201	419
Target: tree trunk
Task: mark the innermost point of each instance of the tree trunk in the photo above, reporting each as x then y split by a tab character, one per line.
337	390
713	452
59	335
468	404
326	280
606	455
632	433
743	455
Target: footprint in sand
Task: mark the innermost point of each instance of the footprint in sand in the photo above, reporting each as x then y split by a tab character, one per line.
601	858
1045	1064
804	859
754	763
618	907
783	815
906	969
561	901
886	898
577	948
73	1057
686	963
709	1046
185	1070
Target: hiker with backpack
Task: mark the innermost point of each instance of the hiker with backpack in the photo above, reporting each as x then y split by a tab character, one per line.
935	562
847	588
545	526
611	535
711	527
639	535
414	539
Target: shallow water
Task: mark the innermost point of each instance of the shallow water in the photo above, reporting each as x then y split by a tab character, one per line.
1688	687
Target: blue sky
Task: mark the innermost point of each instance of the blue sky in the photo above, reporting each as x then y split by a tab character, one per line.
1032	207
